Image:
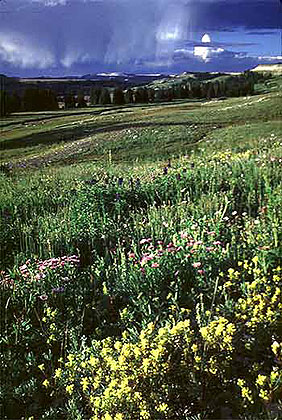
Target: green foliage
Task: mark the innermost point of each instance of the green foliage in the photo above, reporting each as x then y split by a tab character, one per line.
118	97
81	103
188	365
104	98
143	280
95	94
39	100
70	101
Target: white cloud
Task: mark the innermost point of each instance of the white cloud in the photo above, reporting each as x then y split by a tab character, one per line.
50	2
75	56
16	50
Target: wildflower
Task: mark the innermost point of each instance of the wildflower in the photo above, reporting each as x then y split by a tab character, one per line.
209	248
58	290
162	407
194	348
41	367
69	389
261	379
264	395
255	260
84	382
46	383
246	393
240	382
145	241
58	373
197	264
155	265
43	297
275	347
274	376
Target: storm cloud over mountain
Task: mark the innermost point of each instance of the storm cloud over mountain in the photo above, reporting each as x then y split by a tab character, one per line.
79	36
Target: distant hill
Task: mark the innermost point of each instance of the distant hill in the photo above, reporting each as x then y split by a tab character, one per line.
273	68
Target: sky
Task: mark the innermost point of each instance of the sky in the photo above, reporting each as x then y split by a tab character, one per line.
76	37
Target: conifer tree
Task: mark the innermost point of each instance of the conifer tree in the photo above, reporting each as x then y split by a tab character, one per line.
105	98
118	97
128	96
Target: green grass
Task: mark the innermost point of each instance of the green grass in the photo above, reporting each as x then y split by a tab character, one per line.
201	183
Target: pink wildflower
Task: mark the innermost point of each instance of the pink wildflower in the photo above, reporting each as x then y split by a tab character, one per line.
145	241
155	265
197	264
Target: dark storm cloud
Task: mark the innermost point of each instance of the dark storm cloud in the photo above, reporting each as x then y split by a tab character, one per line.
260	32
127	34
220	15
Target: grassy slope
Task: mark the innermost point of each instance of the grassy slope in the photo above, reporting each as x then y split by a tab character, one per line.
168	129
225	178
136	141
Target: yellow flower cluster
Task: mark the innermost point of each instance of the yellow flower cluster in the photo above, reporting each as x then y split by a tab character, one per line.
121	377
49	321
245	391
219	334
229	156
125	379
277	349
261	301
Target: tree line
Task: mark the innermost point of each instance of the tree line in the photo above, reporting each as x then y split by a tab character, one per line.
223	86
31	100
46	100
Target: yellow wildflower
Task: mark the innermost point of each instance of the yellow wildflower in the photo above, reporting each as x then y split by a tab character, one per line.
275	347
261	379
264	395
69	389
84	382
255	260
162	408
46	383
58	373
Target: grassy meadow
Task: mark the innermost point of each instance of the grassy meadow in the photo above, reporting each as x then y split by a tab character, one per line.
141	261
